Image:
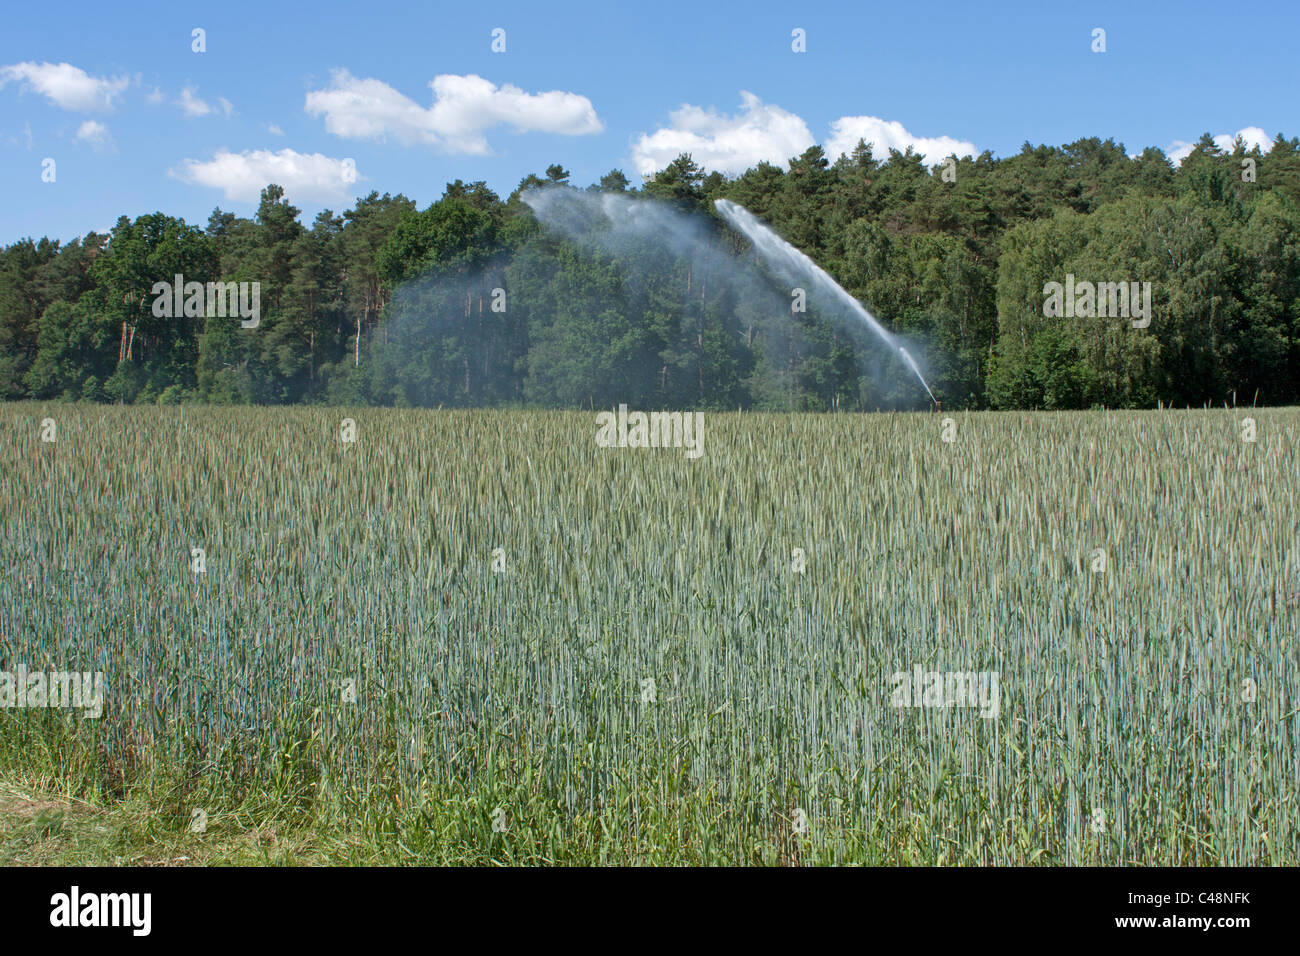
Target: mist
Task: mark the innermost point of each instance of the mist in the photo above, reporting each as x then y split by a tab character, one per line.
620	299
634	229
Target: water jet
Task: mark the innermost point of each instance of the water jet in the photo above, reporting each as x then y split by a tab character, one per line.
787	259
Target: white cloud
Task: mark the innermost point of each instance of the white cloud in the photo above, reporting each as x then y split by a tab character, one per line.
195	107
274	130
94	133
728	144
304	176
1252	136
67	86
760	131
191	104
156	96
464	108
884	135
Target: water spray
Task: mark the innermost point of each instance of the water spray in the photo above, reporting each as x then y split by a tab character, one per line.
912	362
780	254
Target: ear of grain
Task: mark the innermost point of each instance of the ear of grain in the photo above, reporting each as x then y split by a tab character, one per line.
475	690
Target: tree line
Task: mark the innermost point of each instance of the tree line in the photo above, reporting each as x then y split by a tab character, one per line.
472	302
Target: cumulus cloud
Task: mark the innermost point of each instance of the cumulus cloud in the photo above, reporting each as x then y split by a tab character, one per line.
191	104
764	132
242	176
727	144
66	86
1252	136
194	107
464	108
94	133
274	130
884	135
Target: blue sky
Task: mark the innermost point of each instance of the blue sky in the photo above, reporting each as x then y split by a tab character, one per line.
138	122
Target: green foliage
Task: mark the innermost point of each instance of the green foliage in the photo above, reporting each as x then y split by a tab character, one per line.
386	304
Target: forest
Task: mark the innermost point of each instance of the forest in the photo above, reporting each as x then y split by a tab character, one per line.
472	302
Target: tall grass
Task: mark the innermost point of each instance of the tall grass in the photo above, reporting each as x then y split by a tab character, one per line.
326	562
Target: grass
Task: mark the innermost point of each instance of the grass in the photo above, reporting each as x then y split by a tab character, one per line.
42	829
350	673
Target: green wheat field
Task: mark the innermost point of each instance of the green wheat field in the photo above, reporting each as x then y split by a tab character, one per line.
683	661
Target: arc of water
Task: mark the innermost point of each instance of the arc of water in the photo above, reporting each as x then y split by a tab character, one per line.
785	257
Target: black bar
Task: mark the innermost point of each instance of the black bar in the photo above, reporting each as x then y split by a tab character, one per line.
957	905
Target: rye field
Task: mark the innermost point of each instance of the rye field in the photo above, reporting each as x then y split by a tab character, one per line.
477	636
